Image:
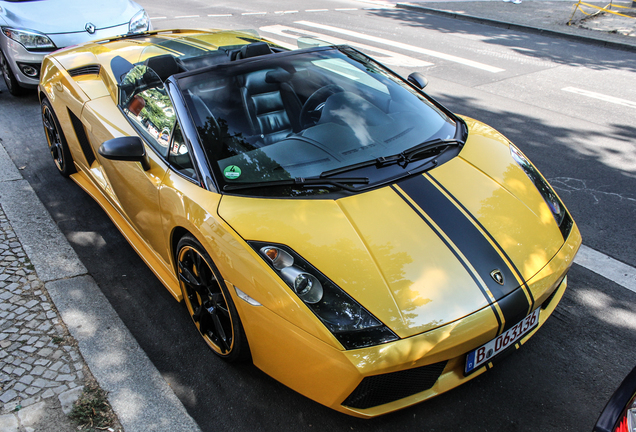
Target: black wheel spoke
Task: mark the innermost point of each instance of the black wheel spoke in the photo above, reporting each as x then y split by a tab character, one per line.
205	299
220	332
196	316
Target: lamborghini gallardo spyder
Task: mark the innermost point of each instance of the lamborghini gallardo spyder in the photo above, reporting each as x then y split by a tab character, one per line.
318	214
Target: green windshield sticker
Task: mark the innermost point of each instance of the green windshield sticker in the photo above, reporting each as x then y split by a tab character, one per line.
232	172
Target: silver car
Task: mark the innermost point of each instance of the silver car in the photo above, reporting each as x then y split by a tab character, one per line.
31	29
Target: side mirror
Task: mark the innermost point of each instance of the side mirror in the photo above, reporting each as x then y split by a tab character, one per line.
126	148
418	80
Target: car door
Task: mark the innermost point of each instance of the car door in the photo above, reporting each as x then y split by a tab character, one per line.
149	110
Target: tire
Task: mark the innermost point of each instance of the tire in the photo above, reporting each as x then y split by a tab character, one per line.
56	140
209	303
9	78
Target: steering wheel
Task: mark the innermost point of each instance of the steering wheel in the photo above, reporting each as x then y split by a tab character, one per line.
312	108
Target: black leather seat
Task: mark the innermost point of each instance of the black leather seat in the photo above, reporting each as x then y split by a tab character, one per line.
271	105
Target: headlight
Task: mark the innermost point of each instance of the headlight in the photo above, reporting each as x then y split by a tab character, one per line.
31	40
551	198
348	321
139	22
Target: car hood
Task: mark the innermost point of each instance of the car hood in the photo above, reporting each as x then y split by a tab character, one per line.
419	254
67	16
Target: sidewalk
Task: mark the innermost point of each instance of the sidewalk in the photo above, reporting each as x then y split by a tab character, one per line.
543	17
58	331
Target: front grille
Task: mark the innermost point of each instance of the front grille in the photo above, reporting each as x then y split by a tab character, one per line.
381	389
85	70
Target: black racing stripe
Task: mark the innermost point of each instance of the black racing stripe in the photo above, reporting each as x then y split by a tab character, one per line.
470	241
515	308
499	323
186	49
492	239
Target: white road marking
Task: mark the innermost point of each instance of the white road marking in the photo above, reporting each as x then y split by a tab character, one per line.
220	15
317	10
599	96
392	58
254	13
187	16
157	18
286	12
404	46
608	267
345	9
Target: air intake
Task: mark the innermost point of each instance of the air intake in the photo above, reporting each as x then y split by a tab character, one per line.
85	70
381	389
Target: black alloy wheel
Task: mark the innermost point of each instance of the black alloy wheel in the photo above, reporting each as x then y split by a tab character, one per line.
209	303
9	78
56	140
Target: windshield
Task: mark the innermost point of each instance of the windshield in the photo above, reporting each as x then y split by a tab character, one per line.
299	114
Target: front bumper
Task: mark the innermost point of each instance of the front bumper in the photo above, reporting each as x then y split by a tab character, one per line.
434	360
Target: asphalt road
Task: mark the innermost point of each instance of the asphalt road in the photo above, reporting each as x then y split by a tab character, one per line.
562	377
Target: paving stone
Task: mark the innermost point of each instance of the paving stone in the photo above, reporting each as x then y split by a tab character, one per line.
19	387
49	375
47	394
65	377
27	379
56	366
39	382
68	398
32	415
60	389
8	396
8	423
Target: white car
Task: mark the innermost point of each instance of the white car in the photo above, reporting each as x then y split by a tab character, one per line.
31	29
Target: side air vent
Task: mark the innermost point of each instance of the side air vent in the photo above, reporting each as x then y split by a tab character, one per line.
85	70
80	132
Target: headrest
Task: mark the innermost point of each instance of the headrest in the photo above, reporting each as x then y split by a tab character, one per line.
278	75
255	49
164	65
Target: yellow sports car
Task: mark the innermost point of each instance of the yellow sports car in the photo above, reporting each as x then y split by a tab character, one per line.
317	213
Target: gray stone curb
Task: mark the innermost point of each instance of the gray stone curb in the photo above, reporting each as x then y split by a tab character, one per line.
140	397
137	392
519	27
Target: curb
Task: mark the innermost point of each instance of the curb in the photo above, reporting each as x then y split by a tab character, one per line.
139	395
519	27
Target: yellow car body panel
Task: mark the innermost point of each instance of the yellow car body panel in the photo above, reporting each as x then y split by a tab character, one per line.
387	248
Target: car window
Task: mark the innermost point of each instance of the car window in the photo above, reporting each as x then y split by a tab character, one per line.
179	157
147	105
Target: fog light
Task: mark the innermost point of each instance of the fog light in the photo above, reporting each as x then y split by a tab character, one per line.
29	71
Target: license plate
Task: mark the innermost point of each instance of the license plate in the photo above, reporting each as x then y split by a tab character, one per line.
489	350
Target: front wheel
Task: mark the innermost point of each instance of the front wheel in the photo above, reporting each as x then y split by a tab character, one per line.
56	140
9	78
209	303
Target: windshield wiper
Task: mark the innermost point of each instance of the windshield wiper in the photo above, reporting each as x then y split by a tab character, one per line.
304	182
402	159
423	148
